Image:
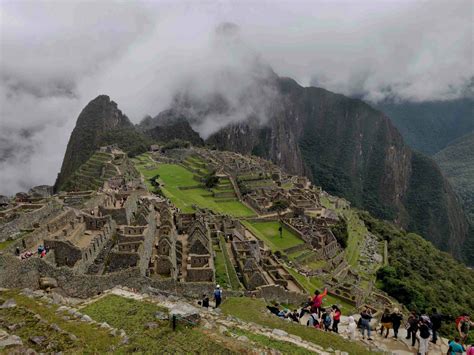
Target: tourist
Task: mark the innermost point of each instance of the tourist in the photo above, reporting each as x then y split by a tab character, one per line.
336	316
412	327
294	316
318	301
424	327
470	350
43	253
306	307
455	347
274	309
365	317
386	322
326	319
463	325
313	320
436	319
351	328
218	295
17	251
205	301
396	318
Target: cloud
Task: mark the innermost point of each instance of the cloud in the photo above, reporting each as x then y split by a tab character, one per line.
56	56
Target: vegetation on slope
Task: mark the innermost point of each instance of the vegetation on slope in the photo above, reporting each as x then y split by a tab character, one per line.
429	195
457	163
132	316
431	126
419	275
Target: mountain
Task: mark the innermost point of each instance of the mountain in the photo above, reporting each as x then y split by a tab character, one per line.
351	150
100	123
431	126
457	163
169	125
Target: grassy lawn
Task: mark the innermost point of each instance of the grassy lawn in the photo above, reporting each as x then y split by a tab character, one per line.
90	339
357	231
234	280
313	283
253	310
282	346
268	232
131	315
6	244
221	272
175	176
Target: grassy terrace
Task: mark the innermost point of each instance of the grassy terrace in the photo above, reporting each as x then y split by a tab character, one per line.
90	339
234	280
313	283
174	177
268	232
131	316
253	310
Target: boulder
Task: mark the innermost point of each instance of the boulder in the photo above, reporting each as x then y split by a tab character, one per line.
47	282
86	318
151	325
38	340
9	340
10	303
161	316
279	332
243	338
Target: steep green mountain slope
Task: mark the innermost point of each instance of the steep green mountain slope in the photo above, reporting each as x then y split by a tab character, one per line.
431	126
419	275
457	163
100	123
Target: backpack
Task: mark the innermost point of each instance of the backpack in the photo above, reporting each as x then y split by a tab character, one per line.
327	319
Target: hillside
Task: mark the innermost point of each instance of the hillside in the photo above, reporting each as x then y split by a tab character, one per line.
431	126
100	123
457	163
351	150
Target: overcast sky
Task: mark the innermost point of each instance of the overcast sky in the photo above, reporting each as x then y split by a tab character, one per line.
58	55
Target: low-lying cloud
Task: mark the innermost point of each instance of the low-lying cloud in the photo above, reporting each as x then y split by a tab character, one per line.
57	56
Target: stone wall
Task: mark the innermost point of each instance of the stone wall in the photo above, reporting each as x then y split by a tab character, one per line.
28	272
27	220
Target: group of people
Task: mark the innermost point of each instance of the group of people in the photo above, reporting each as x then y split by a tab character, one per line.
204	302
327	319
28	254
421	327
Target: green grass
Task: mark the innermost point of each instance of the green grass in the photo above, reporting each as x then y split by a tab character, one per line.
266	342
234	280
253	310
131	315
312	283
268	232
174	176
221	272
357	231
6	244
90	338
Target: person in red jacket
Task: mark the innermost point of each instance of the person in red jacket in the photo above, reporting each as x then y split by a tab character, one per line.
318	301
336	317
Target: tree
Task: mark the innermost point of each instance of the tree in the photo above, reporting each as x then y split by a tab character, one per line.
211	180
